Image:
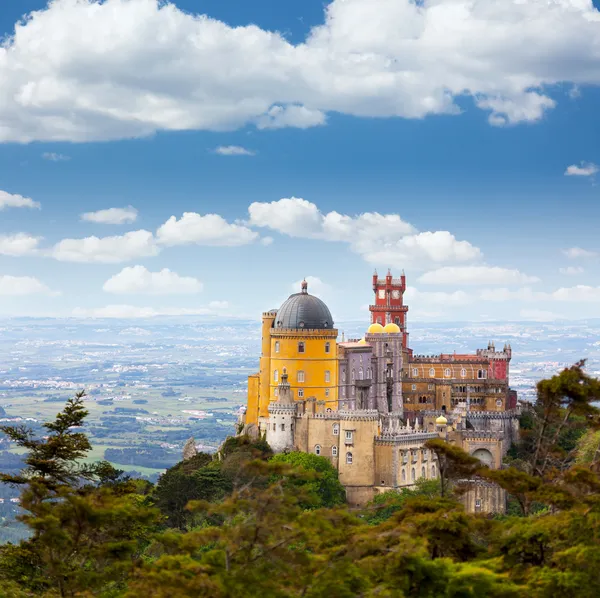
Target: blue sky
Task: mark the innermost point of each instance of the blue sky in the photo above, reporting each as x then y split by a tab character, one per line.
375	134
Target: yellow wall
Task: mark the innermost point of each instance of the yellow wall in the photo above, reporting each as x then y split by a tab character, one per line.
265	364
253	391
314	362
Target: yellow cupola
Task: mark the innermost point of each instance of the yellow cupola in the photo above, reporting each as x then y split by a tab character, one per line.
391	328
375	328
441	421
362	341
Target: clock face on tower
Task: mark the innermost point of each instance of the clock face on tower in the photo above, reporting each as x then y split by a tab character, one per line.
382	293
396	294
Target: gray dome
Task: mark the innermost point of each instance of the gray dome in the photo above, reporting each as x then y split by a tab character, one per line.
302	310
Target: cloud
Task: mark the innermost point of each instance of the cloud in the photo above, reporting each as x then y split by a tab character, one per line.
134	311
23	285
315	286
16	201
87	70
52	157
455	298
19	244
577	294
112	216
139	280
586	169
233	150
577	252
382	239
217	305
266	241
476	275
571	270
106	250
210	229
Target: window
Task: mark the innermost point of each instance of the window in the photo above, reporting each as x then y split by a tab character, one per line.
300	393
349	458
353	391
433	471
343	375
283	427
334	451
348	435
327	347
336	429
478	503
412	474
431	372
300	347
404	475
300	376
423	471
317	449
415	372
430	387
326	392
276	375
328	410
343	391
482	374
352	377
327	376
414	387
274	427
397	320
369	373
379	320
463	373
276	346
276	392
447	372
499	403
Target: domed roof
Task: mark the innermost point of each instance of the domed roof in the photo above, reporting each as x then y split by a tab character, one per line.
362	341
441	421
303	311
375	329
391	328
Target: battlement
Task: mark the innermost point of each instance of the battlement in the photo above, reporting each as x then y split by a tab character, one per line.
360	415
383	281
304	333
407	438
482	435
510	414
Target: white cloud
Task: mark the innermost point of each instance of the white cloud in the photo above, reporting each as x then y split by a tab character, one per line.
87	70
210	229
22	285
112	216
233	150
456	298
577	252
476	275
107	250
139	280
571	270
53	157
19	244
586	169
16	201
503	294
578	294
266	241
217	305
382	239
315	286
134	311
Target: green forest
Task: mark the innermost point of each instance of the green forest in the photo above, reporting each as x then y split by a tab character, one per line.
247	523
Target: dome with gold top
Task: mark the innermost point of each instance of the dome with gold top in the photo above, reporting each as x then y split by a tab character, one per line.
375	328
441	421
391	328
362	341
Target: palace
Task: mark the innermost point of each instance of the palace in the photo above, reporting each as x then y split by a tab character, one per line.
370	404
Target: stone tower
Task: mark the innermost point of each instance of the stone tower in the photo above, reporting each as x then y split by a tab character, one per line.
280	429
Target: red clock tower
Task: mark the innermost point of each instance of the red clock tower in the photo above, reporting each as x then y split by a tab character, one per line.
389	303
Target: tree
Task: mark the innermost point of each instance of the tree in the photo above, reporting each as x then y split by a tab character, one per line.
324	489
453	463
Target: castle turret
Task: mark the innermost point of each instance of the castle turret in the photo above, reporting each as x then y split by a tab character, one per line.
280	429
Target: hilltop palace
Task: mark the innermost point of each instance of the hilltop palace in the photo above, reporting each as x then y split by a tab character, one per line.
369	405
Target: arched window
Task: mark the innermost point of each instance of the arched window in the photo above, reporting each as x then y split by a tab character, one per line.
361	374
343	391
349	458
343	375
404	475
336	429
276	392
301	347
431	372
274	427
334	451
423	471
463	373
276	346
415	372
317	449
300	393
300	376
276	375
327	376
433	474
447	372
353	375
412	474
327	347
482	374
369	373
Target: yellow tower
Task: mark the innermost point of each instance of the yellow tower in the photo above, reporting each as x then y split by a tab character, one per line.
299	340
